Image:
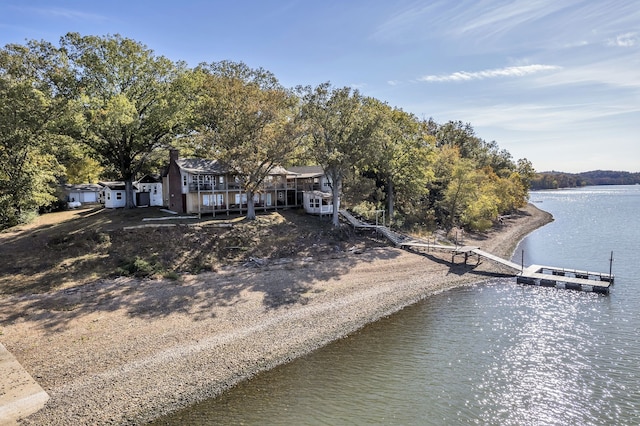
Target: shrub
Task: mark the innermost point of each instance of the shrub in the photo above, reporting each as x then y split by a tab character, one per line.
171	275
139	267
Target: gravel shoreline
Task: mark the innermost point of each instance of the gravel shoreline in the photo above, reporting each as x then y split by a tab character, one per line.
126	351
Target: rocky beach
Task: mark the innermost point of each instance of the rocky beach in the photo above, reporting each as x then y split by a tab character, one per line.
127	351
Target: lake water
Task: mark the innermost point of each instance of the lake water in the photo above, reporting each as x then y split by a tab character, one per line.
495	353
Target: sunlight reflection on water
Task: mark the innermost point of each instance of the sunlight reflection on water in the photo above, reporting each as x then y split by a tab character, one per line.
497	353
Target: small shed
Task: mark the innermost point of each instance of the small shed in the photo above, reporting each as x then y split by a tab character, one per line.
113	194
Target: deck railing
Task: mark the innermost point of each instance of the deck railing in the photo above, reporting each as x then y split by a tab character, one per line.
207	186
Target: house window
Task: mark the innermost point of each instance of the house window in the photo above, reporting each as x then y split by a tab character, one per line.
155	189
208	200
221	180
184	180
315	203
108	195
241	198
118	195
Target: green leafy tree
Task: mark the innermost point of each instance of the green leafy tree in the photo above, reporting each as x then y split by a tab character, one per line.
401	154
80	167
249	122
460	191
481	211
459	135
339	130
526	172
133	102
34	95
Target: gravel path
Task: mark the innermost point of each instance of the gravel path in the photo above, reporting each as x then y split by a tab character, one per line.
125	351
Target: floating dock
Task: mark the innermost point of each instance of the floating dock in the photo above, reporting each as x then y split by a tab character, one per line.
573	279
545	276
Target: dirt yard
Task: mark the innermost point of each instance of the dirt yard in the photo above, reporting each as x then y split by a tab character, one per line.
75	247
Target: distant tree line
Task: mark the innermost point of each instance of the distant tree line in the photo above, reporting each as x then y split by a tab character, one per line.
555	180
108	107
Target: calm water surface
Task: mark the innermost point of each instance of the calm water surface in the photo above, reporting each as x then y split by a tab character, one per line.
496	353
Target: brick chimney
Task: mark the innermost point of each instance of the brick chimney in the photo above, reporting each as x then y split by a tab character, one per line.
177	200
173	155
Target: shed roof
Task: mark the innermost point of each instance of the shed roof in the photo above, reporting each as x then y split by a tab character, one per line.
83	187
149	179
116	185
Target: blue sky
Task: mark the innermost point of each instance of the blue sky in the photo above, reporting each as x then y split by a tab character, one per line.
557	82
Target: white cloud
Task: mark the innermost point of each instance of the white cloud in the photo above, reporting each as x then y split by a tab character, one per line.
624	40
519	71
358	86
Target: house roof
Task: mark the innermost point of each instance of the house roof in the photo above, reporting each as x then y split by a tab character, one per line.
322	194
279	170
302	172
201	165
215	167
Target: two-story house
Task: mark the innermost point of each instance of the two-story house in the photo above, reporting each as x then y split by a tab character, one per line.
203	186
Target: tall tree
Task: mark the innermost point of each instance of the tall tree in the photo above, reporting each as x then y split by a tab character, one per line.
131	99
526	172
460	135
249	122
34	95
460	191
339	131
402	154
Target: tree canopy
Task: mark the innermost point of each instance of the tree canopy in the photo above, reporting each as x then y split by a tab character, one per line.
34	97
107	107
339	133
249	122
129	98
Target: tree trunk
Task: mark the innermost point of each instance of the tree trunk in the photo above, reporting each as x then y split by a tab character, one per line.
335	192
390	199
251	209
130	202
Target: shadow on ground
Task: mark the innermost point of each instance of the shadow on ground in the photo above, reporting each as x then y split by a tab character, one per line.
60	271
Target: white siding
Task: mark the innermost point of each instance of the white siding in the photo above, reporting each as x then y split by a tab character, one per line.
114	199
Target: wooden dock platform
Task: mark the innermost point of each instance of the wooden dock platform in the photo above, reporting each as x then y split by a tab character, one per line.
546	276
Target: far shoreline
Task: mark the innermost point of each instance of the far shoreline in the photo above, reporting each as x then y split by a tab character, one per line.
130	352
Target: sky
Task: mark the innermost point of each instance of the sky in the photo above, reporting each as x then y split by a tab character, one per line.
556	82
